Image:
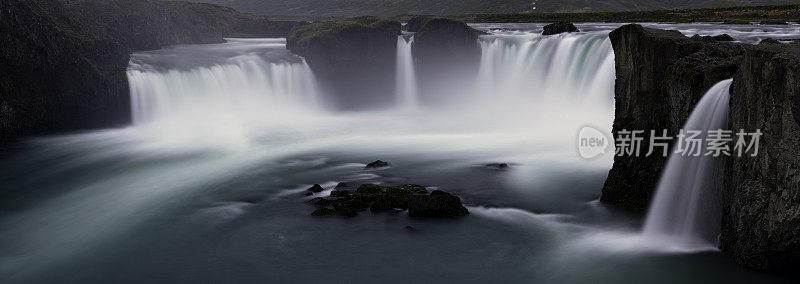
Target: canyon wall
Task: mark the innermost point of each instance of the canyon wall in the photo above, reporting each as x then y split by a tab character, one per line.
761	198
660	77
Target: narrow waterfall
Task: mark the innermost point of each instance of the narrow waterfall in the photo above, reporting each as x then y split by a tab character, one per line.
248	80
566	66
406	88
685	208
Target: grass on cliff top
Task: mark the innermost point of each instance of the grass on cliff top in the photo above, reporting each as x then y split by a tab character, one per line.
329	31
786	13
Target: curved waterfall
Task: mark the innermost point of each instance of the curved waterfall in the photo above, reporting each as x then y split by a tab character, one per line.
575	67
685	207
248	79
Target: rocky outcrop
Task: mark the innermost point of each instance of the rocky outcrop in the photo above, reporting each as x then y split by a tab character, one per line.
761	197
445	51
560	27
354	60
660	77
379	198
436	204
62	63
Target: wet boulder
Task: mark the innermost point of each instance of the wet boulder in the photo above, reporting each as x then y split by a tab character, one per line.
315	188
559	27
438	204
377	165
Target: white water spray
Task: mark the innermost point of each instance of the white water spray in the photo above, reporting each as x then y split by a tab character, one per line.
406	89
572	67
685	209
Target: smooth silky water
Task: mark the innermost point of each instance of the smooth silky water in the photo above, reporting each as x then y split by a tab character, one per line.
206	185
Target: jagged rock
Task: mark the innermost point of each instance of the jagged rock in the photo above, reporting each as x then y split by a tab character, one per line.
411	229
560	27
661	75
377	164
437	204
354	59
315	188
340	185
761	194
63	62
308	193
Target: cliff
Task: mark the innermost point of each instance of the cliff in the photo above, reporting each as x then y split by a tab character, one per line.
660	77
761	197
62	65
354	60
445	51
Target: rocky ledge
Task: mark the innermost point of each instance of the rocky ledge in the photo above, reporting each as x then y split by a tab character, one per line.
344	201
661	75
353	59
444	50
558	28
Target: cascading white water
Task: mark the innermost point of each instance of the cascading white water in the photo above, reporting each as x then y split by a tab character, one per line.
182	94
248	84
406	89
566	80
573	67
685	209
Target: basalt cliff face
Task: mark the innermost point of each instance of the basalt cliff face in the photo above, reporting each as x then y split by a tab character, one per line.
661	75
761	197
354	60
445	51
62	63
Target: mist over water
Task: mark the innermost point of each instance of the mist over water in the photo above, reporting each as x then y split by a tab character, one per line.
205	185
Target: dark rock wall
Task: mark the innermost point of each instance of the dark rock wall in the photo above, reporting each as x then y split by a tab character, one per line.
446	55
761	199
62	63
660	76
354	60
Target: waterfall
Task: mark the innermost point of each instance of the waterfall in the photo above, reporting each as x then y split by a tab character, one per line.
566	66
406	88
250	82
685	207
